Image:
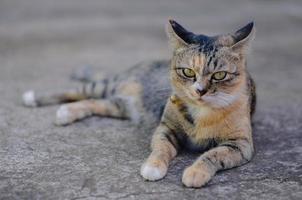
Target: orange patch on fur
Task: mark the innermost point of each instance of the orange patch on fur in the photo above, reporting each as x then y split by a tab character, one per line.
198	62
130	88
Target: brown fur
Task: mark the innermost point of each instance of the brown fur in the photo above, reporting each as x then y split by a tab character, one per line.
228	123
196	112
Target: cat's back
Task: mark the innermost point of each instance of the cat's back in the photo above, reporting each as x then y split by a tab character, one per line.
153	77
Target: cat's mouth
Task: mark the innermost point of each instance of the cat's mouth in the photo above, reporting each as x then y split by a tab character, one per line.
215	100
197	98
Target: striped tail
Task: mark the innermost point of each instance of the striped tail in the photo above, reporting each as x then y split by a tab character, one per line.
96	89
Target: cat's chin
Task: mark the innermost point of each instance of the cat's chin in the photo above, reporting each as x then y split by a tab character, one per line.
220	100
198	101
212	101
206	101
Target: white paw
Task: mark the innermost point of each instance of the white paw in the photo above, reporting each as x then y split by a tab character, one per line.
29	99
63	116
152	173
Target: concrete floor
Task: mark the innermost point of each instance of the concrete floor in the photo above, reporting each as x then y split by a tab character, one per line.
41	41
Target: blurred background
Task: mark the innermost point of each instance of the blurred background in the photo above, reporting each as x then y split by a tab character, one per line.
41	41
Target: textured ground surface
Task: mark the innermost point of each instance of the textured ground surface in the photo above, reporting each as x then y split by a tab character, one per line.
41	41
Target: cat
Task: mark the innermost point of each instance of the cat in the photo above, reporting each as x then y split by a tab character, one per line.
205	105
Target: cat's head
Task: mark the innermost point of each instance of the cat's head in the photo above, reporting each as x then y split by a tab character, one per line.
209	70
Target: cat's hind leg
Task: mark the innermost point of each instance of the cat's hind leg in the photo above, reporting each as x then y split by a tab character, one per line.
87	90
71	112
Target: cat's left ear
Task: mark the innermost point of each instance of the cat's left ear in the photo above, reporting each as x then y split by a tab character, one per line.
242	38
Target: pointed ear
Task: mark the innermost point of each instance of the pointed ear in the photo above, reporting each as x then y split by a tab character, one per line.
178	36
242	38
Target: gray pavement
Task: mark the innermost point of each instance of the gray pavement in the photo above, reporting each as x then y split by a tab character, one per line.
41	41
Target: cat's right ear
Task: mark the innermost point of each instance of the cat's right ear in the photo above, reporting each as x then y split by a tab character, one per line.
178	36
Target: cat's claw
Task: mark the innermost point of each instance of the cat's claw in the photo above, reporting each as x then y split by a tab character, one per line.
28	98
63	116
152	173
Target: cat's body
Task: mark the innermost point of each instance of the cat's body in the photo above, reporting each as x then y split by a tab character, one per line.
141	91
205	105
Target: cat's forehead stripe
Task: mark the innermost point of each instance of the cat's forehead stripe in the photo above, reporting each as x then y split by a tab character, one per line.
201	60
198	61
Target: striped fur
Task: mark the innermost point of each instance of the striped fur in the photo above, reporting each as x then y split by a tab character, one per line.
200	114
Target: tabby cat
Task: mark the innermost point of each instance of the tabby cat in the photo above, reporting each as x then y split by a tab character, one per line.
207	106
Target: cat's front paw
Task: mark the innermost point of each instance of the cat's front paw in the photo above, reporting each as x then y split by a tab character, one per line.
153	169
29	99
63	116
196	176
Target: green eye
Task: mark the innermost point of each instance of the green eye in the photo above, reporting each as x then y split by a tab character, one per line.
188	73
219	75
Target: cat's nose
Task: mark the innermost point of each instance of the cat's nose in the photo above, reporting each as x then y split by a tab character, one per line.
200	89
201	92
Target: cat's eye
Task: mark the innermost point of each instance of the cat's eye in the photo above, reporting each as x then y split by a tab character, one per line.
188	73
218	76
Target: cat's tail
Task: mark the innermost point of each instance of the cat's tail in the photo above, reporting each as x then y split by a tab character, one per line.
96	89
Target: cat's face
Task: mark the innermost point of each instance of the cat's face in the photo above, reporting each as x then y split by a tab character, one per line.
213	79
208	70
